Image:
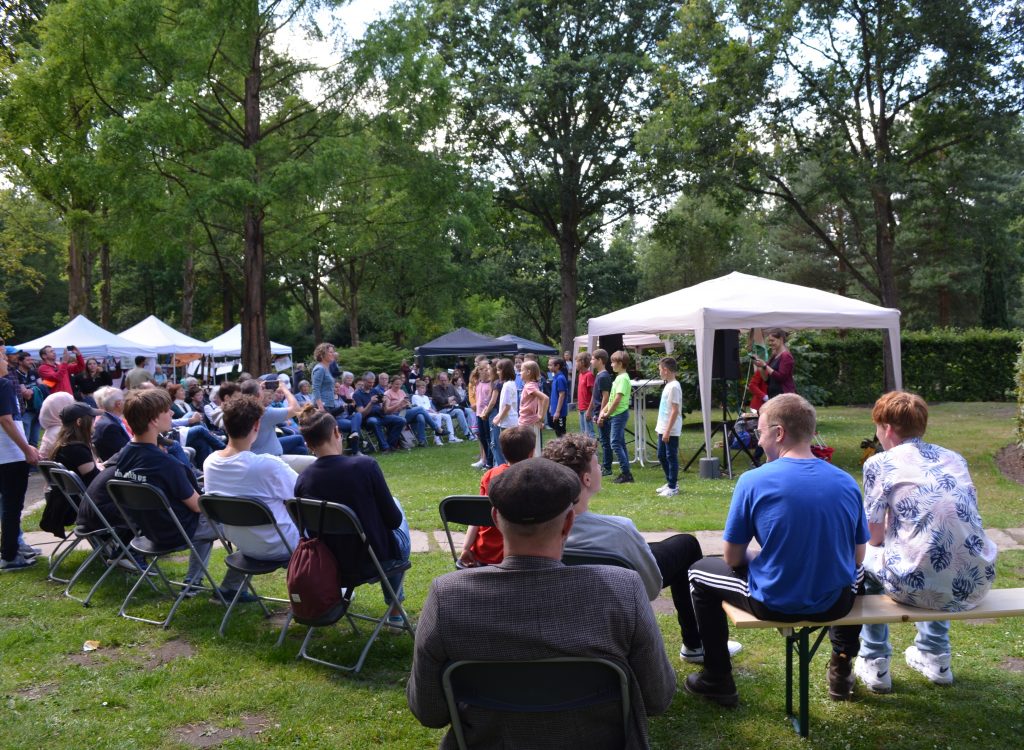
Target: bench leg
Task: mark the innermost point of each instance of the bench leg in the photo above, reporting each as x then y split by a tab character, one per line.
800	642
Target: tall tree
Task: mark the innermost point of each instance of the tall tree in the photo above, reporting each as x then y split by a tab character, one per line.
549	96
868	92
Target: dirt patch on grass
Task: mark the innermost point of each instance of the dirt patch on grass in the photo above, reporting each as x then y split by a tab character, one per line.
35	692
663	606
166	653
208	735
1013	664
97	657
1010	461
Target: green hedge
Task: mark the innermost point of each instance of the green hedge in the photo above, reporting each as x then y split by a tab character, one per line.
940	365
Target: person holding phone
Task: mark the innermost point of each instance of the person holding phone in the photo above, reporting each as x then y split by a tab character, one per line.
57	377
778	370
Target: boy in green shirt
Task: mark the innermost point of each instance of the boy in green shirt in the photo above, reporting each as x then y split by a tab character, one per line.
616	411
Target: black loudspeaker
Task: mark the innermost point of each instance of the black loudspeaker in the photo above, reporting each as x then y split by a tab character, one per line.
725	364
610	343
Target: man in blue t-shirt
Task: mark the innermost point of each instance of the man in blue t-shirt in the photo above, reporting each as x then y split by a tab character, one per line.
148	413
808	518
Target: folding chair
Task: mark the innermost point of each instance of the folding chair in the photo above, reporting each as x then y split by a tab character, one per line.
542	686
586	557
66	545
147	499
320	518
104	539
229	510
468	510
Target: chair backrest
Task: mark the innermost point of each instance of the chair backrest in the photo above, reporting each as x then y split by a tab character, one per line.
540	686
324	517
73	487
144	506
45	467
236	510
468	510
587	557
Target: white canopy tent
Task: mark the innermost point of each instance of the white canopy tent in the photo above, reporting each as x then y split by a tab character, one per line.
91	340
156	334
229	344
743	301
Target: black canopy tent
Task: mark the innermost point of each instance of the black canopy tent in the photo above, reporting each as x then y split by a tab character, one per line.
525	346
463	342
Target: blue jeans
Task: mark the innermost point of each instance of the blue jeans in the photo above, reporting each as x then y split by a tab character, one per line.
30	420
204	442
459	416
586	426
403	541
618	440
668	455
350	424
483	434
416	417
496	454
932	637
293	445
605	436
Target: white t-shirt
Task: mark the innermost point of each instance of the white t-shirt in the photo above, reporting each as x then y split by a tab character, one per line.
509	397
671	394
266	478
423	401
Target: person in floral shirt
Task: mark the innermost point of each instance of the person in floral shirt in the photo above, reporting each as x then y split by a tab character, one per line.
927	548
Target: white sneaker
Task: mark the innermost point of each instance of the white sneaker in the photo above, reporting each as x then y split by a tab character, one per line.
437	440
696	656
933	666
477	464
453	439
874	673
662	488
669	492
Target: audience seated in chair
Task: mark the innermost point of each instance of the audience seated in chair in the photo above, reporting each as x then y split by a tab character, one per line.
148	412
531	606
236	470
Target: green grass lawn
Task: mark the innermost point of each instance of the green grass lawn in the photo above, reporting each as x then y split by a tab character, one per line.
149	688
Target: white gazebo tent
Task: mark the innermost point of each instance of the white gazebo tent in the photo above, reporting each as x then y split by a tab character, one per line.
91	340
229	344
743	301
156	334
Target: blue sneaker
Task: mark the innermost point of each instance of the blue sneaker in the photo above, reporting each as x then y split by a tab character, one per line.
247	596
20	562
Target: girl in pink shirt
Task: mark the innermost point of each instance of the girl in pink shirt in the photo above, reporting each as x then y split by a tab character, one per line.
533	404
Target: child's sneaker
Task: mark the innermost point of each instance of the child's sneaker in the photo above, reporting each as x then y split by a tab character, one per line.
437	440
662	488
874	673
933	666
696	655
453	439
477	464
20	562
669	492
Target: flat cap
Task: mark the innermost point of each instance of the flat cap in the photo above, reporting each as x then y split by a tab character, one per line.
534	491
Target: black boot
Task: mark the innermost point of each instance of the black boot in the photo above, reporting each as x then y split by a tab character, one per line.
840	677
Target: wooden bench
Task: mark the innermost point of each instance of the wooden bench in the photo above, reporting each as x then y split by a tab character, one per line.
867	610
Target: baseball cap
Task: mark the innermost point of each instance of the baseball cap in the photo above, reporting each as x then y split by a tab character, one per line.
534	491
9	350
73	412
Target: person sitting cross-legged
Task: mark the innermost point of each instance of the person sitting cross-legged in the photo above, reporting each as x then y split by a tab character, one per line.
663	564
236	470
532	606
928	547
148	413
807	516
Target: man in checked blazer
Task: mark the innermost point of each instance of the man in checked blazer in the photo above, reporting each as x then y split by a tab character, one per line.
531	606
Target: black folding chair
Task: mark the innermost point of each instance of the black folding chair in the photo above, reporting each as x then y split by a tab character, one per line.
321	518
467	510
230	510
139	498
587	557
560	685
105	542
66	545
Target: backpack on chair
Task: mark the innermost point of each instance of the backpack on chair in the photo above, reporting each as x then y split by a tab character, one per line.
314	584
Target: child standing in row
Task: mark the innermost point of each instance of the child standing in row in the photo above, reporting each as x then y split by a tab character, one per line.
584	393
599	400
533	404
670	425
558	406
617	413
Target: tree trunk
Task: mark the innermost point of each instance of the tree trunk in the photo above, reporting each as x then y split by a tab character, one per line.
315	313
105	285
78	262
227	304
255	340
352	306
569	250
188	291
